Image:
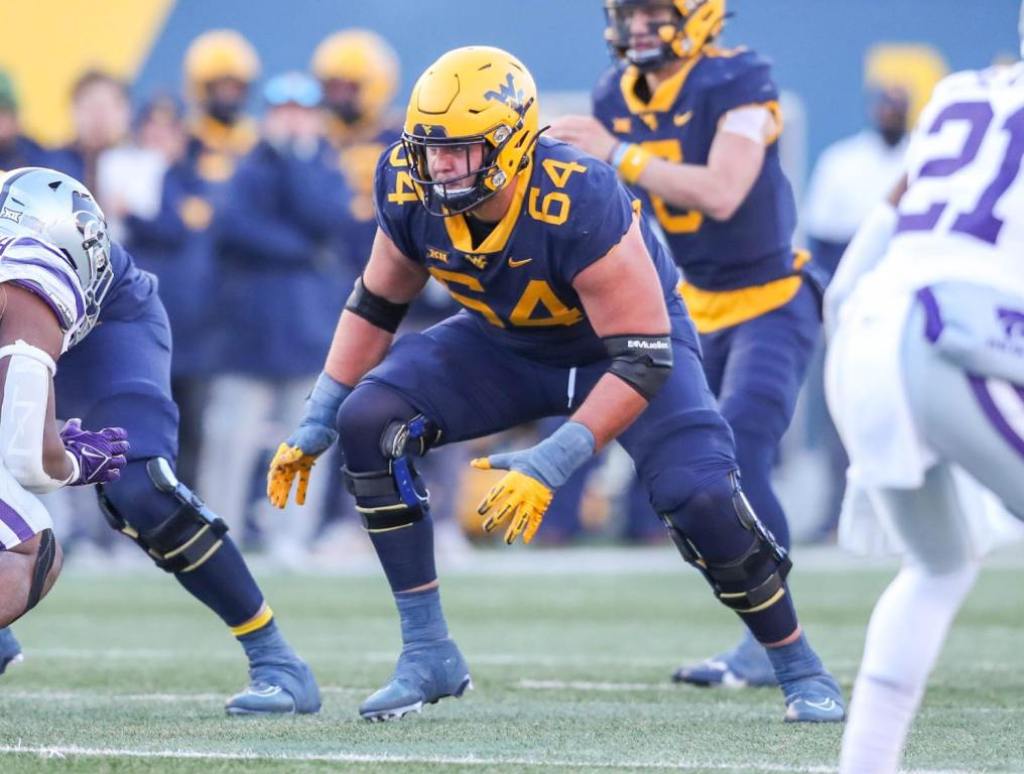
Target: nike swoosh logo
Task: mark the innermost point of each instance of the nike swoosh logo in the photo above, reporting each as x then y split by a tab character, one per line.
825	706
682	119
520	262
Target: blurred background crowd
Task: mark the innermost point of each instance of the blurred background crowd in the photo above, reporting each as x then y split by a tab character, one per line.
234	158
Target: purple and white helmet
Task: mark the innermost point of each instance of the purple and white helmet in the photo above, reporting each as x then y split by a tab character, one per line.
57	209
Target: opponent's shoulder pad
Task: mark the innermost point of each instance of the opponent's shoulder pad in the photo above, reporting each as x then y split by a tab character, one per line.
958	81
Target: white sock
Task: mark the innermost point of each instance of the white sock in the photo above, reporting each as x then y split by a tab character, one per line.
905	636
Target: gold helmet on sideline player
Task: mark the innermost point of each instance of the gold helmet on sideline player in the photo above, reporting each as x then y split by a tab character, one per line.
470	96
216	56
359	72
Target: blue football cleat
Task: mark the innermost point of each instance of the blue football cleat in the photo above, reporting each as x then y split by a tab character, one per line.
10	650
426	672
745	666
815	699
283	688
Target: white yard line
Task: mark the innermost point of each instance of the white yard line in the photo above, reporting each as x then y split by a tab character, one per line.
61	751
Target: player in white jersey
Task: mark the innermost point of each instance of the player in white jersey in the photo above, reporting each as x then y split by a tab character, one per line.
50	290
925	379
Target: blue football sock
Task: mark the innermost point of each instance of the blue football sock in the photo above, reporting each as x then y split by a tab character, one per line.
421	616
266	644
795	661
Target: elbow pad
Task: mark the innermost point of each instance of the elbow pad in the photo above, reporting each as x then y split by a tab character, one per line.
375	309
642	362
23	415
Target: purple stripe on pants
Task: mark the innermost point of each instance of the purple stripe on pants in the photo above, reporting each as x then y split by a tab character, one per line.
988	406
15	523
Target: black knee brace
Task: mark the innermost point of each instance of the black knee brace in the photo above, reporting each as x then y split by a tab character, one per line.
183	541
750	582
45	555
396	496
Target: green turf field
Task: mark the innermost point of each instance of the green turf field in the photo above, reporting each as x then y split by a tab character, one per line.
126	673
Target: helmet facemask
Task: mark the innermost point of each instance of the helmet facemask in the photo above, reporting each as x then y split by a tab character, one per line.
618	33
682	34
96	249
459	194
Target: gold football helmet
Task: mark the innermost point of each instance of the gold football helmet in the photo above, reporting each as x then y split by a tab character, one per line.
220	54
471	96
365	60
696	23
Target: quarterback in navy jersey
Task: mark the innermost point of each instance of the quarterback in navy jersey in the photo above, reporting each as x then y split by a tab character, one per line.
116	372
569	308
693	129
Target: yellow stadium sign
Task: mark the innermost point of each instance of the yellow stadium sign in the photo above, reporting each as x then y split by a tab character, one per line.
48	44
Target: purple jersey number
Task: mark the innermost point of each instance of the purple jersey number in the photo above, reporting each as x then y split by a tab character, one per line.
980	222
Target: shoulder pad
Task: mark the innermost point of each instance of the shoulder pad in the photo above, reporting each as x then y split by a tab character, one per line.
955	81
393	188
725	66
607	85
589	209
41	268
395	197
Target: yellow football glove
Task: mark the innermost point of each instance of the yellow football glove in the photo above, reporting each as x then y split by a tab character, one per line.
314	435
289	462
517	498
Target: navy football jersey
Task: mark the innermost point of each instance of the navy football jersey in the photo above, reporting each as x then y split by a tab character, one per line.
130	291
678	123
568	212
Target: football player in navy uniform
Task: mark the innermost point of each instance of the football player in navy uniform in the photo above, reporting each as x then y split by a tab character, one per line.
569	307
119	375
693	129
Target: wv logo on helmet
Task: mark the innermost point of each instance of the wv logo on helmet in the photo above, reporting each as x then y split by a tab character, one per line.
507	93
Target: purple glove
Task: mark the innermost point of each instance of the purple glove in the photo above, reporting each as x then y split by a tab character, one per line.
100	456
